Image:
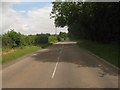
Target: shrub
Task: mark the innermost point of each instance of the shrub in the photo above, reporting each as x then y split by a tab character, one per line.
41	38
52	39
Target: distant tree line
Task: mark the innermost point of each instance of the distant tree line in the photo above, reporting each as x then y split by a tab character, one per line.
96	21
12	39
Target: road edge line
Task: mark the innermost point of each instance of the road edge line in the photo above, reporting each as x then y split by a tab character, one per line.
103	60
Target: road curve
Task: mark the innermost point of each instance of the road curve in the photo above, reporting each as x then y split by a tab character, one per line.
62	65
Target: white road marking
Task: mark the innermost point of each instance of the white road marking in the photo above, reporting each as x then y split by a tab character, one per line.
53	74
55	68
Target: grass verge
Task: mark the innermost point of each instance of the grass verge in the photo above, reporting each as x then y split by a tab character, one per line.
109	52
18	52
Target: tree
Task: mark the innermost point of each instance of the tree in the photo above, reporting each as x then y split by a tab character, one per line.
92	21
41	38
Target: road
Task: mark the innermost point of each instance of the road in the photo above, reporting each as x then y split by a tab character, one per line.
62	65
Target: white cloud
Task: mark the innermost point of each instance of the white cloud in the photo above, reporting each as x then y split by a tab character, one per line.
36	21
27	0
22	11
10	0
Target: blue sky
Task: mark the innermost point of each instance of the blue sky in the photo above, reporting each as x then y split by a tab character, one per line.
26	6
29	18
29	5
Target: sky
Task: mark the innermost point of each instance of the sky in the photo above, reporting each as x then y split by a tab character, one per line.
28	17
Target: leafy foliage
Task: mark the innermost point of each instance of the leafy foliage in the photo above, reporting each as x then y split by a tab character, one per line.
62	36
53	39
12	39
41	38
91	21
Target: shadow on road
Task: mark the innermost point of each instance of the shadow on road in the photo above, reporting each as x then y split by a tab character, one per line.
71	53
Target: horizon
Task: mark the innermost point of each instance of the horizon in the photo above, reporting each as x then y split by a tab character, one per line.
33	34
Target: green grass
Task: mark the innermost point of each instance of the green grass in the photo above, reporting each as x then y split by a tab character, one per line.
19	53
109	52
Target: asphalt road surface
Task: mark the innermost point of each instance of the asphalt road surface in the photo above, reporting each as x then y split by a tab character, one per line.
62	65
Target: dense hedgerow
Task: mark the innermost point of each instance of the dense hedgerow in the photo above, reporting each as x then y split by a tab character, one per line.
12	39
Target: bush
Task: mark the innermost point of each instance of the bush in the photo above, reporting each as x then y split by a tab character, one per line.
41	39
62	36
52	39
13	39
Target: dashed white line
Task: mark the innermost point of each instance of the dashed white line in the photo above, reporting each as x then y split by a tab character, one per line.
55	68
53	74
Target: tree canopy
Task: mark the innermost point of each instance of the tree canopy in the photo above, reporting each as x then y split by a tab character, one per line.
96	21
